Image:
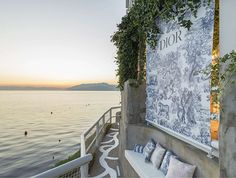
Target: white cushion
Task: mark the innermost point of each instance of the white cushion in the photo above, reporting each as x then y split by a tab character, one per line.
157	156
180	169
142	168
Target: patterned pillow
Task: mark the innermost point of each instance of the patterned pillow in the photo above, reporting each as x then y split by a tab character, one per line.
166	160
179	169
148	149
138	148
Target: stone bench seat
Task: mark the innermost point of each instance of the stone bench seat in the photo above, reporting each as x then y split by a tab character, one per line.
143	169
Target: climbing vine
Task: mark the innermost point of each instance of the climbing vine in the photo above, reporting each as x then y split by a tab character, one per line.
139	27
222	73
228	63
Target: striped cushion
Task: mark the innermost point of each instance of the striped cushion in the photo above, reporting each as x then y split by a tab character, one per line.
166	160
138	148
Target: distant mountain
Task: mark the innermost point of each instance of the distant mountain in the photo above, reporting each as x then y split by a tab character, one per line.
94	87
82	87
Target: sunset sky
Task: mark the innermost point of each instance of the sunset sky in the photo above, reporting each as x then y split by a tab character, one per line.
58	42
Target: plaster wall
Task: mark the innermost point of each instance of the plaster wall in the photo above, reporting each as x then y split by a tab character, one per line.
132	111
227	132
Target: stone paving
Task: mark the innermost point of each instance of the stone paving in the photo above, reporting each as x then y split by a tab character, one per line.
106	161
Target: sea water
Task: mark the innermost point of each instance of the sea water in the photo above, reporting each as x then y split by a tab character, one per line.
53	120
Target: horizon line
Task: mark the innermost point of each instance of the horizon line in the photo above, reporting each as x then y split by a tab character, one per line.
46	87
56	85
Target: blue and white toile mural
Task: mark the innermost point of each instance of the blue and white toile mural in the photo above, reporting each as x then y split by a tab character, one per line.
178	93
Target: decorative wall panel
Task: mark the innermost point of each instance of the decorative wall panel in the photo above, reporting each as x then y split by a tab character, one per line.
178	93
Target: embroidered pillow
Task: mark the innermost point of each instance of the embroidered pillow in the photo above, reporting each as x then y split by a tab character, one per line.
166	160
148	149
138	148
157	156
179	169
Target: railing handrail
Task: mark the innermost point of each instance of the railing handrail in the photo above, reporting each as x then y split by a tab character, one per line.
83	149
90	128
57	171
85	133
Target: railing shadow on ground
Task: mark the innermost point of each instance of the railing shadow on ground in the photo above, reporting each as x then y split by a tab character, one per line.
79	166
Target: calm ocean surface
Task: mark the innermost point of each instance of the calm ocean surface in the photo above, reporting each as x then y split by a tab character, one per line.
20	111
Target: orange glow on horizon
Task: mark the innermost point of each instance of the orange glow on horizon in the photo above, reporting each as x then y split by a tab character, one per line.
56	84
60	49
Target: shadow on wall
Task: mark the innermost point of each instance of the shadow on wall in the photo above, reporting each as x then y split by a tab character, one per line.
133	102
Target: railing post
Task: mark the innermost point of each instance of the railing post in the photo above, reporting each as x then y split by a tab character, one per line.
97	133
110	115
118	117
84	168
103	119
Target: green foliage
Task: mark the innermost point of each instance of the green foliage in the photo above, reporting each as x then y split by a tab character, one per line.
127	41
70	158
229	67
139	26
221	74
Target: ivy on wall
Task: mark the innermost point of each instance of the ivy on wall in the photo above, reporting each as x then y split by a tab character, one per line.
139	26
227	64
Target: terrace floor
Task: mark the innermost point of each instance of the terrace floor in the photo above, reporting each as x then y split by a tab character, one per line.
106	161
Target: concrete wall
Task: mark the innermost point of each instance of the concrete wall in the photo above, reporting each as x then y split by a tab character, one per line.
227	135
132	112
206	167
227	132
133	102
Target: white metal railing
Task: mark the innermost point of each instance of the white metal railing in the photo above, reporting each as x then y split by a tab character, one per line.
94	131
65	168
79	166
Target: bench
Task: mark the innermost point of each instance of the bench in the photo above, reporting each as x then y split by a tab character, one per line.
142	168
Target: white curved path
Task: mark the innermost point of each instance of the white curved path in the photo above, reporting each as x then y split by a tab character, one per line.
105	148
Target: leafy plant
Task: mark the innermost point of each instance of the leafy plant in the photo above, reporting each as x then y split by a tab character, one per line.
221	74
70	158
139	27
229	67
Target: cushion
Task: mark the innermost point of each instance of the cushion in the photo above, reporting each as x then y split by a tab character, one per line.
148	149
157	156
144	170
166	160
179	169
138	148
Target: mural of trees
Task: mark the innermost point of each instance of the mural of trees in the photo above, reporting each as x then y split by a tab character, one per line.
178	93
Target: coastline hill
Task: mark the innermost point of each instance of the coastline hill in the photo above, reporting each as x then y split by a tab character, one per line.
81	87
94	87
